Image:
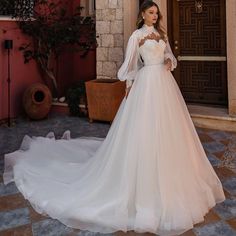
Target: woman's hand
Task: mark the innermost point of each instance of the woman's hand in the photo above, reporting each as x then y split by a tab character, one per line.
168	63
127	91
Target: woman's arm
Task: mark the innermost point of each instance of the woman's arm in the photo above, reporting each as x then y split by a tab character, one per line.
169	57
132	62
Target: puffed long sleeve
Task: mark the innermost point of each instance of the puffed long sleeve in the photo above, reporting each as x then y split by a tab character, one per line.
169	54
132	62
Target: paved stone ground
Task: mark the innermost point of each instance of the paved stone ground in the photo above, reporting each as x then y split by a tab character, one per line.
18	218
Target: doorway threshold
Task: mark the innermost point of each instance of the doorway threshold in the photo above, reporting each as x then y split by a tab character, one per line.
212	117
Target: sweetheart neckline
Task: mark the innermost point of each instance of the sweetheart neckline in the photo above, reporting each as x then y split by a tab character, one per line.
154	40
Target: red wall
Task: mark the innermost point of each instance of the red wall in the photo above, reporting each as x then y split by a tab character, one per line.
85	68
71	69
22	75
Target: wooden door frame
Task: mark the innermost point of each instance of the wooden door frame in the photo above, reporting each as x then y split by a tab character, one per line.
173	25
231	54
170	32
170	20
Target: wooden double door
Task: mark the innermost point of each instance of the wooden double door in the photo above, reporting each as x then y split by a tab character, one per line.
197	33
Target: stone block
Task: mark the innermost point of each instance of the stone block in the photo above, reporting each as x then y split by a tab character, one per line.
103	27
102	4
118	40
117	27
109	69
115	54
99	68
102	54
113	4
107	40
108	14
98	15
120	3
119	14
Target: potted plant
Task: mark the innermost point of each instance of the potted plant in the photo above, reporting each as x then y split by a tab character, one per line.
77	100
54	27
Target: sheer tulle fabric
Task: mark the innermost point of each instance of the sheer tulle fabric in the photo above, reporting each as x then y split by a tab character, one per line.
150	173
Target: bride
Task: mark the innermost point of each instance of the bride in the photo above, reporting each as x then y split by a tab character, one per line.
150	173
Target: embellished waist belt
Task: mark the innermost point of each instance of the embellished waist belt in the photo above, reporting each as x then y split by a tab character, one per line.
154	64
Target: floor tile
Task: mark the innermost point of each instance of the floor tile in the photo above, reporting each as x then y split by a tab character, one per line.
205	137
219	228
25	230
12	202
227	194
50	227
232	223
219	155
8	189
34	216
213	159
226	209
225	141
87	233
188	233
213	147
230	185
224	173
14	218
219	135
210	217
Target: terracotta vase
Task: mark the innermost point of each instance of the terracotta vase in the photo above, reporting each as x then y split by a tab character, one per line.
37	101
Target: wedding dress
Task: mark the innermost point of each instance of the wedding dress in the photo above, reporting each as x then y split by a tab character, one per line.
150	173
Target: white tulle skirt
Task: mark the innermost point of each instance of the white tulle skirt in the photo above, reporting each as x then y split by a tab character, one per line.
150	173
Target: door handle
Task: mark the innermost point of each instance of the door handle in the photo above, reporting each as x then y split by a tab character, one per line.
176	44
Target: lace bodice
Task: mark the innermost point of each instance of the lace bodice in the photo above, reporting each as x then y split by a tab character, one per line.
150	52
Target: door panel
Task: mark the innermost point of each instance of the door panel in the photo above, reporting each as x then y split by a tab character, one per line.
198	38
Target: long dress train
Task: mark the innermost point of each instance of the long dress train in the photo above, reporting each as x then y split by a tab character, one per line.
150	173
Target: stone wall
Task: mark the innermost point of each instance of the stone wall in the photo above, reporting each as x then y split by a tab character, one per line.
109	27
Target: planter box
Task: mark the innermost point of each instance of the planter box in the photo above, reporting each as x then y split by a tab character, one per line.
104	97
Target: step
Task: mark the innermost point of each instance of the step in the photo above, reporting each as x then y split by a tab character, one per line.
212	117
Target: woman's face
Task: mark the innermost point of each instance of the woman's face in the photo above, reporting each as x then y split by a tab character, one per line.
150	15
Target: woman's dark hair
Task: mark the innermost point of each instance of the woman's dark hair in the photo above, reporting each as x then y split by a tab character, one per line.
140	21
